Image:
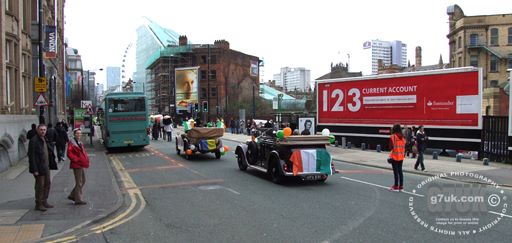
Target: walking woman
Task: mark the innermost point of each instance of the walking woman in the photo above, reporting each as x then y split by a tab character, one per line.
79	162
397	147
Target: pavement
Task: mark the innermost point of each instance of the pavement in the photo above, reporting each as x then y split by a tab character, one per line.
468	170
19	222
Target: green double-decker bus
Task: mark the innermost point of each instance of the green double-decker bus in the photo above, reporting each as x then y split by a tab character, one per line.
125	120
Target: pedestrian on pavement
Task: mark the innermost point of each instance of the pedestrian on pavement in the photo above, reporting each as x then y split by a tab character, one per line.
407	132
421	139
155	130
51	136
65	125
62	140
32	132
396	157
41	160
79	162
169	129
414	147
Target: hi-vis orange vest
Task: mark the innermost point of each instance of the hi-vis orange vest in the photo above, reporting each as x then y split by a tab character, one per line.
398	151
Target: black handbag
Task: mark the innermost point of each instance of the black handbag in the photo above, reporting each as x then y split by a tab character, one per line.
390	160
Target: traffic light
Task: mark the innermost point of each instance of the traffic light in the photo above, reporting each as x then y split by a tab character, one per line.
205	106
196	107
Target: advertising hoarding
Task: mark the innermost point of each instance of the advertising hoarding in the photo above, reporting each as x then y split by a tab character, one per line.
187	82
436	99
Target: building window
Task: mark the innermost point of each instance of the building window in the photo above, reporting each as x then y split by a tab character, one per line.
213	59
213	92
203	93
509	65
203	74
7	51
493	83
494	37
8	80
473	39
460	62
459	42
473	61
213	75
510	36
204	60
493	67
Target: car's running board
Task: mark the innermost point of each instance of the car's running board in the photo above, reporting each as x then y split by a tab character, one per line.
258	168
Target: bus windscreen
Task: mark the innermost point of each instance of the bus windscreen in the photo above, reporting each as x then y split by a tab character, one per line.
127	105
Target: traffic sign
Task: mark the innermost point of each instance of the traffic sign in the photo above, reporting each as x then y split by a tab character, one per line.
41	100
40	84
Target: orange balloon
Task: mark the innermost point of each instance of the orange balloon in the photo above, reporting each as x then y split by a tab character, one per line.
226	148
189	152
287	131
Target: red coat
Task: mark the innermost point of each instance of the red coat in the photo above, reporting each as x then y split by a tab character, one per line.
77	155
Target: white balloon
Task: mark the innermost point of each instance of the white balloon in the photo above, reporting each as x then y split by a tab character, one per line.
192	147
221	149
326	132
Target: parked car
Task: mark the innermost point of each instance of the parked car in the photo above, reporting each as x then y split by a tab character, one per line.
200	140
299	156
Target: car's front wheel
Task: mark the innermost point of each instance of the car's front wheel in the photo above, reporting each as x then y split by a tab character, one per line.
241	165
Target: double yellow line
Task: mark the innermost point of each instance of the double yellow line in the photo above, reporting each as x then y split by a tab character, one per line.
132	211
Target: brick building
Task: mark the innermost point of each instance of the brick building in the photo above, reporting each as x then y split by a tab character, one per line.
226	77
483	41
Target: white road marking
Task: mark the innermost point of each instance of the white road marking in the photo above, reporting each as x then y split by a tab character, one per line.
376	185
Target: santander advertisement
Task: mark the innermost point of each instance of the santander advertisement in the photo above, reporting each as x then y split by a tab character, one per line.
450	99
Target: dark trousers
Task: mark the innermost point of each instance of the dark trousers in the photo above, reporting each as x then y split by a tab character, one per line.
398	173
79	184
42	187
169	136
419	161
60	151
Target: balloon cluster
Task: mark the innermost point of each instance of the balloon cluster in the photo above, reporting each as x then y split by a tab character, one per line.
284	133
326	132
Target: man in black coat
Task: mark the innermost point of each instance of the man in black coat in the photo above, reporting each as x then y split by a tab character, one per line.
32	132
41	159
62	140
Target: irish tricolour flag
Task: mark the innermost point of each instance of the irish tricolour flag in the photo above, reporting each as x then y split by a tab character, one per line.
311	160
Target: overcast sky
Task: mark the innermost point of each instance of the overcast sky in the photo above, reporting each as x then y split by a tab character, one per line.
293	33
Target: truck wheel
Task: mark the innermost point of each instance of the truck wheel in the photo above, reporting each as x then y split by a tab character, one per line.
275	173
217	154
241	165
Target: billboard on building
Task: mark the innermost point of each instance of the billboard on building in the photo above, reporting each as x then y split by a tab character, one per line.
187	82
437	99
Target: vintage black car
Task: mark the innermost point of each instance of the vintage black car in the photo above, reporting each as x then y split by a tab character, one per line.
300	156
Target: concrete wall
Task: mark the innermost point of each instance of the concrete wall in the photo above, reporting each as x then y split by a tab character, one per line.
13	143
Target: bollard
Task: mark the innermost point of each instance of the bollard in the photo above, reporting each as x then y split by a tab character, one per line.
458	157
486	161
363	146
336	143
343	142
378	148
435	155
349	145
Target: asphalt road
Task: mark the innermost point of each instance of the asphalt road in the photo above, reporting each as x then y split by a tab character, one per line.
209	200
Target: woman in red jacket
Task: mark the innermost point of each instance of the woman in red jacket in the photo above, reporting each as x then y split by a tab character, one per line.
397	146
79	162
